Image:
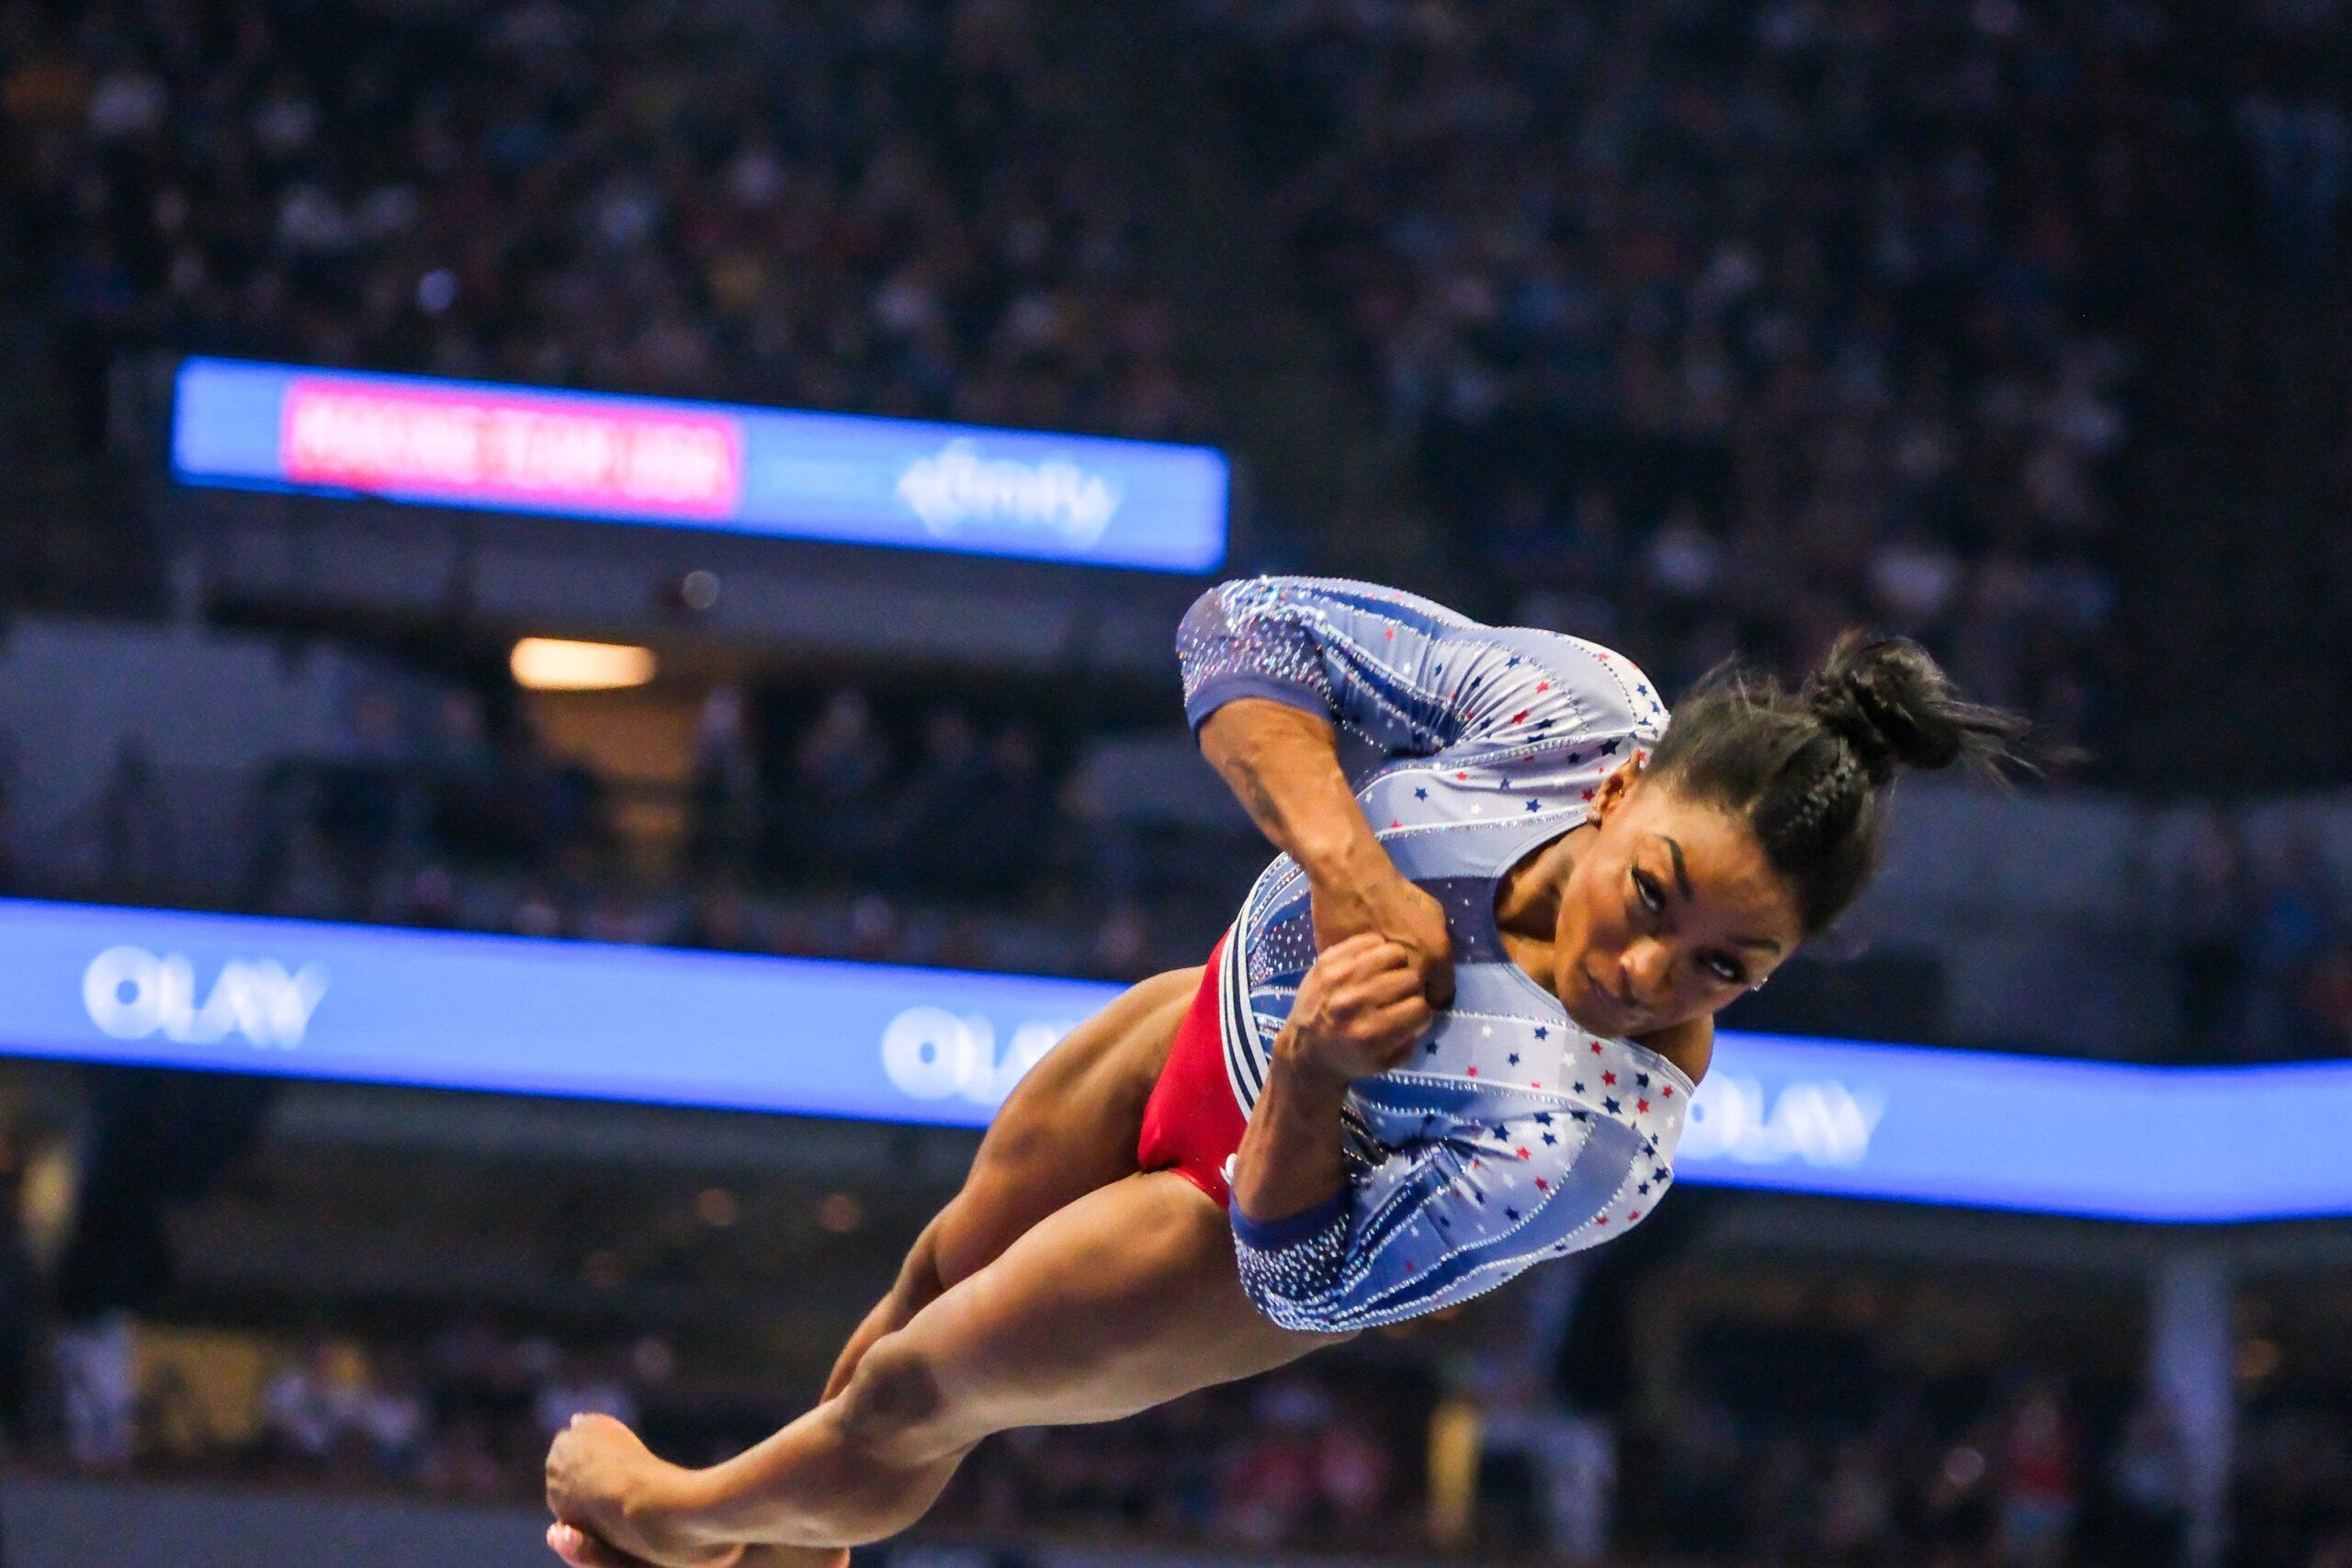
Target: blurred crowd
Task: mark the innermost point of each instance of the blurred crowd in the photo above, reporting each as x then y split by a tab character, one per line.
2032	1476
2263	947
898	208
466	1413
827	822
1719	326
1707	325
1314	1458
1699	326
1343	1455
914	831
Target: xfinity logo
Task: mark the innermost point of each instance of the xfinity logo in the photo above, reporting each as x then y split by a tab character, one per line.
131	993
956	486
932	1054
1818	1121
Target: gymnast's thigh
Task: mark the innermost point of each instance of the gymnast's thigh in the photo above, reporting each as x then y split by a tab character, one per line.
1070	1126
1123	1299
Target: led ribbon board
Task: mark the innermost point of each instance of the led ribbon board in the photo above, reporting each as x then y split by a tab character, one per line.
893	1043
1087	500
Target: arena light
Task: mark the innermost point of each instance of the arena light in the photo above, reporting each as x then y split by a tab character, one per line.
553	664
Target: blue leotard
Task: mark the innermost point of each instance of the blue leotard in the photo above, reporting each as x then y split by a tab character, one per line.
1514	1135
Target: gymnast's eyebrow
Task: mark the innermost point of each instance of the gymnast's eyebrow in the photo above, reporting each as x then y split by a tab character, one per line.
1683	880
1682	872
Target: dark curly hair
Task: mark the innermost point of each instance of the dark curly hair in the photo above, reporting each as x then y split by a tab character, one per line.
1809	770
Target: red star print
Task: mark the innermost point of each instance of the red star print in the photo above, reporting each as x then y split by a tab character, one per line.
1390	634
1588	795
1474	1072
1632	1214
1641	757
1609	1077
1641	1106
1601	1221
1542	1185
1669	1091
1394	822
1461	776
1524	1155
1521	716
1596	1047
1543	686
1535	1083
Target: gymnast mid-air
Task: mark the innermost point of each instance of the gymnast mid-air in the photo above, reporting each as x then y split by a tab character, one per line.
1452	1032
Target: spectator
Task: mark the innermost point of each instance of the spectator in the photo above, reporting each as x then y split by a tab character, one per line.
835	809
432	899
2147	1475
316	1410
581	1384
2324	1027
2296	922
139	848
472	797
23	1305
2039	1494
1014	816
718	918
363	803
2212	906
941	832
725	796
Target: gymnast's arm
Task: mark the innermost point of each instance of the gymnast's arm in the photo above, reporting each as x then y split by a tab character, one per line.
1283	765
1358	1012
1273	666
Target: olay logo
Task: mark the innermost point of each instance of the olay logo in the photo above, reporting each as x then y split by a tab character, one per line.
932	1054
1818	1121
130	994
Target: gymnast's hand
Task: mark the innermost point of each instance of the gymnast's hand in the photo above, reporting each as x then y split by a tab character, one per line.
1359	1011
601	1482
1381	902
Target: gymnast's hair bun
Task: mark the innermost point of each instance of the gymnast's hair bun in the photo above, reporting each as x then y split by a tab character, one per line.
1891	702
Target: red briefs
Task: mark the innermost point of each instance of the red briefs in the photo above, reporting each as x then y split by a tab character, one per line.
1193	1123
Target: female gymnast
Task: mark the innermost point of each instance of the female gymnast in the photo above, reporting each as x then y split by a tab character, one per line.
1452	1032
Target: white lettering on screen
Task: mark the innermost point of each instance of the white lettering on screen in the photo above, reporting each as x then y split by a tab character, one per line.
1818	1121
131	993
955	486
932	1054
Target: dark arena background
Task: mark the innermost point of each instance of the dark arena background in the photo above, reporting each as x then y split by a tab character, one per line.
586	599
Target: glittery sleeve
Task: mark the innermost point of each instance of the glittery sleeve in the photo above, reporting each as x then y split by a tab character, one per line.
1290	1267
1356	654
1453	1188
1410	676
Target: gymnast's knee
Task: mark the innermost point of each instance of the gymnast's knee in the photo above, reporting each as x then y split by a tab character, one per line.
895	1408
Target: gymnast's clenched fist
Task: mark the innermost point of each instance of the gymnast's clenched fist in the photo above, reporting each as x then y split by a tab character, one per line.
1360	1009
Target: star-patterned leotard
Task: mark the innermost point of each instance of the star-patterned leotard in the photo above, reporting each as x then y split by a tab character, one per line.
1512	1135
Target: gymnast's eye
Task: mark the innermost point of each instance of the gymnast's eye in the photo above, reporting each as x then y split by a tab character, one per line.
1726	969
1653	896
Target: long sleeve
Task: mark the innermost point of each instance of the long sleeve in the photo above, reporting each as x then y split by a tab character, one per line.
1453	1190
1412	677
1515	1135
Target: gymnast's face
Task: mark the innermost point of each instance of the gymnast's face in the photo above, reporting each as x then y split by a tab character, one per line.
1669	912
